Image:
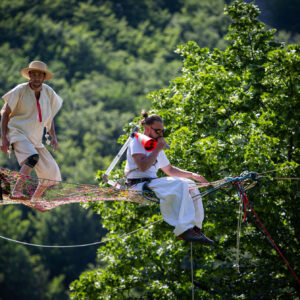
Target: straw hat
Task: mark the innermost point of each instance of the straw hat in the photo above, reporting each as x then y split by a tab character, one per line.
36	66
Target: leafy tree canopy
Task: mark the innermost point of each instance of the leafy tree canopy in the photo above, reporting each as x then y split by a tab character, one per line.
230	111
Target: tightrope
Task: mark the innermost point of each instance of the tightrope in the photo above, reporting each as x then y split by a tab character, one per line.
272	171
81	245
226	181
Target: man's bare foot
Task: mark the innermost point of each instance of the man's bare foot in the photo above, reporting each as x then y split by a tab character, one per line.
40	207
37	204
18	196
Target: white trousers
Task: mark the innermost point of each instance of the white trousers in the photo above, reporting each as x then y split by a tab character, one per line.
177	206
46	166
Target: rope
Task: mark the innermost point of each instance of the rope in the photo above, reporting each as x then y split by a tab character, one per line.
238	234
272	171
226	181
246	202
285	178
219	184
251	175
274	245
192	271
81	245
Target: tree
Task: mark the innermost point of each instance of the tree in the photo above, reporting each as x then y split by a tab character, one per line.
236	110
69	225
20	273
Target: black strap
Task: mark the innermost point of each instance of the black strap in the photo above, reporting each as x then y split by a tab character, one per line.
145	188
134	181
147	191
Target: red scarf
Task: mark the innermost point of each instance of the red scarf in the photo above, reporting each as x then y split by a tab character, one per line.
37	103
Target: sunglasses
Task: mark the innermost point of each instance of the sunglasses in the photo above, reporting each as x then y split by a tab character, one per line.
158	131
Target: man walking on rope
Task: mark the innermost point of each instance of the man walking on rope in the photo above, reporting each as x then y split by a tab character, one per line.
178	206
28	109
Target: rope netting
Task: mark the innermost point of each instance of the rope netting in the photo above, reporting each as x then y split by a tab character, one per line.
60	193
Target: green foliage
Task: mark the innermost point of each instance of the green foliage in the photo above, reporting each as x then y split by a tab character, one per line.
139	261
230	111
68	225
20	273
44	273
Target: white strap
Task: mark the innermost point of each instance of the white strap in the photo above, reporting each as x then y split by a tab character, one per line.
118	156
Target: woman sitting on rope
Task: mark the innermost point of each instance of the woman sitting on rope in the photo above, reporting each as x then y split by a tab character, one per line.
177	206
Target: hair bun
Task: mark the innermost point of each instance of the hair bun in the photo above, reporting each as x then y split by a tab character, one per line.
149	120
144	114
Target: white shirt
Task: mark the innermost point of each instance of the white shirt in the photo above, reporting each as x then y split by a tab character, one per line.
24	120
131	168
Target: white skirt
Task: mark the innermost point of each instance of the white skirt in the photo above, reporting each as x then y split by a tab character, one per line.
177	206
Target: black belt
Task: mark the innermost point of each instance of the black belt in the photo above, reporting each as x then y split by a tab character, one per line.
134	181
